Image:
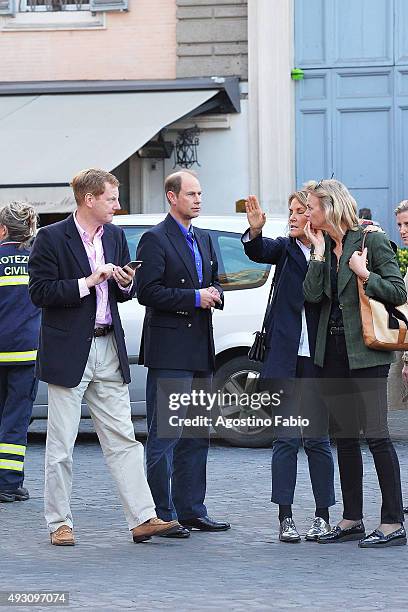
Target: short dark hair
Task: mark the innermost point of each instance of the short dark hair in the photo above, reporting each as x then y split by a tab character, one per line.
173	181
365	213
91	181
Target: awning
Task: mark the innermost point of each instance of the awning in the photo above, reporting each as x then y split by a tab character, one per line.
46	139
44	199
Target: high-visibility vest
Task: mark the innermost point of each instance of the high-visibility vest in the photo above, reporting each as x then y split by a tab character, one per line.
19	318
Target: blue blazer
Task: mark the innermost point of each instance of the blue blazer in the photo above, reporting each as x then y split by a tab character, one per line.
176	334
284	322
58	259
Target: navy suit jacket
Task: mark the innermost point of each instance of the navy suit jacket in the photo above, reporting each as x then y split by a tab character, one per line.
284	322
176	334
58	259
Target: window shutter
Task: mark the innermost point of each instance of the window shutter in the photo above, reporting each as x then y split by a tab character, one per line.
7	7
107	5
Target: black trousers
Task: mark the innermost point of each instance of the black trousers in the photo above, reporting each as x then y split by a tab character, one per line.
357	400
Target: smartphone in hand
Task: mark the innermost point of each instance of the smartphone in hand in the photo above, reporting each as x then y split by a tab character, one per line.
135	264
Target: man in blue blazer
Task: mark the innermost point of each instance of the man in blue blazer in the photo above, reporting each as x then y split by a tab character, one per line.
178	284
78	274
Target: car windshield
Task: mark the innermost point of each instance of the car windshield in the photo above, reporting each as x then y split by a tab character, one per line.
133	234
235	269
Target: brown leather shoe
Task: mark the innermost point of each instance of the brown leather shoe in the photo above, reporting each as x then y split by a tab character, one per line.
63	536
154	526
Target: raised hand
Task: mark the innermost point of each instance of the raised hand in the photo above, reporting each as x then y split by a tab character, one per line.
255	215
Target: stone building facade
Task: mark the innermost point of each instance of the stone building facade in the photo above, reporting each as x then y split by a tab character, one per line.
212	38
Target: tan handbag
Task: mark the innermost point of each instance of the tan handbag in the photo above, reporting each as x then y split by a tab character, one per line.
384	326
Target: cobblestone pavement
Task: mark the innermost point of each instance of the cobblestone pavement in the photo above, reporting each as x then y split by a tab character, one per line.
245	568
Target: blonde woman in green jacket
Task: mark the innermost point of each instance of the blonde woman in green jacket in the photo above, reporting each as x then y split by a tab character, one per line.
354	377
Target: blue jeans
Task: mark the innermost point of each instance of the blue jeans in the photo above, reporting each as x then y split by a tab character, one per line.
176	466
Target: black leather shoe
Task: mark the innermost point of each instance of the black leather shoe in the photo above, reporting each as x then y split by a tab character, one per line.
337	534
20	494
205	523
377	539
177	532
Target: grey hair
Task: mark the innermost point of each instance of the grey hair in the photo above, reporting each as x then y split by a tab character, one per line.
402	207
20	219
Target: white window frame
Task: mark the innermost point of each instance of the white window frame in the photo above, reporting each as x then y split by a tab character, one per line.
23	7
36	21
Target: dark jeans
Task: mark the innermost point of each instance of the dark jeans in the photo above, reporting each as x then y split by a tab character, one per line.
305	402
357	400
176	464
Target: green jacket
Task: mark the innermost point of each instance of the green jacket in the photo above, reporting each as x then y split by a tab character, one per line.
385	283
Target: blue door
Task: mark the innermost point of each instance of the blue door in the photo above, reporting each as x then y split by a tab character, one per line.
352	105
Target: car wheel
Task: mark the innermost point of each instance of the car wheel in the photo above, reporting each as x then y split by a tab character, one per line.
238	377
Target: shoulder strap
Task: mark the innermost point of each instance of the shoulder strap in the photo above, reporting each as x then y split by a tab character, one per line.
275	284
366	233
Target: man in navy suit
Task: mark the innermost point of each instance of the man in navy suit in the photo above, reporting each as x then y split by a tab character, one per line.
78	274
178	284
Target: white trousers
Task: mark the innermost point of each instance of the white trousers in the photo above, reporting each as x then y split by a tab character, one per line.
109	405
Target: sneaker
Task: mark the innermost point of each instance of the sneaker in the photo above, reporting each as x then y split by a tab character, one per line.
318	528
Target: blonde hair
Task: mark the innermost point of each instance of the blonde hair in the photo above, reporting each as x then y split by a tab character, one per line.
20	220
402	207
300	195
338	204
91	181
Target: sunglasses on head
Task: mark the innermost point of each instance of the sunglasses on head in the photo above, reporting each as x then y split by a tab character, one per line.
319	184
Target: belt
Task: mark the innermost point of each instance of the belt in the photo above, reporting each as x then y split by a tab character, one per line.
336	330
102	331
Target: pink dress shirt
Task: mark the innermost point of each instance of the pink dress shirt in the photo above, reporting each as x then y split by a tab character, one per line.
96	258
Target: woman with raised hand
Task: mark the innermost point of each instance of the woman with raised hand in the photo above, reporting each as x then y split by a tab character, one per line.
354	377
291	328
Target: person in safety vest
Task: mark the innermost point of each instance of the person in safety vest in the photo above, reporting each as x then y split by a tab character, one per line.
19	331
